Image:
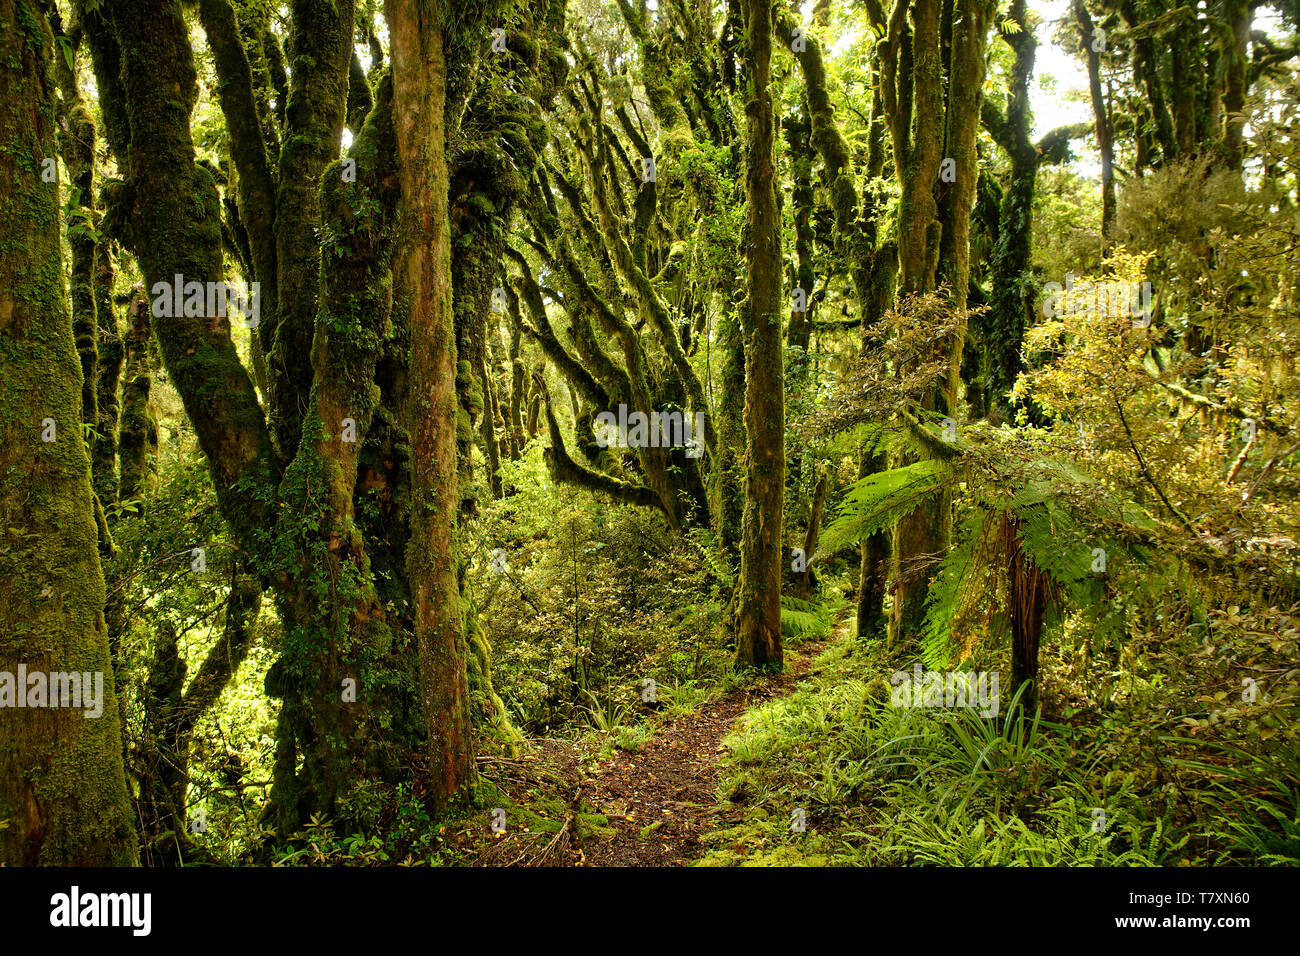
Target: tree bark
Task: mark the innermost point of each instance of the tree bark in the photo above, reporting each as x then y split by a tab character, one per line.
169	215
320	51
62	783
1100	114
933	235
424	262
758	623
1003	327
873	269
808	580
1028	599
161	762
1240	14
103	464
77	147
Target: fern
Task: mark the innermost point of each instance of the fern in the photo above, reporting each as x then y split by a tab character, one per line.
1046	512
719	567
805	620
1026	508
959	591
880	500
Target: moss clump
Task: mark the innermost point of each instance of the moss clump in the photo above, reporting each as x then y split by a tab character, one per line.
489	710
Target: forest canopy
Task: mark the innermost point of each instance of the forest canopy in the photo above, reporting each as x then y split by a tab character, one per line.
649	432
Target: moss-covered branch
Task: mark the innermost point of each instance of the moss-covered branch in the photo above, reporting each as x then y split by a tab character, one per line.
171	219
254	179
564	468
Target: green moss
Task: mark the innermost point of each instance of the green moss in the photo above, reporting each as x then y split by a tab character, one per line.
489	710
63	795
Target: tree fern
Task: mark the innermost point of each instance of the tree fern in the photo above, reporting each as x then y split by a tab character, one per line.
1026	510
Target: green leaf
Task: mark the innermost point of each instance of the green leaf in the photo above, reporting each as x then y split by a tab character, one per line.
69	55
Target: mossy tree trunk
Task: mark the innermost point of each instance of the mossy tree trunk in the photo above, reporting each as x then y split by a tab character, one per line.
918	155
872	267
320	51
63	795
339	406
424	266
340	629
1087	36
1240	15
350	440
171	711
493	133
178	230
808	579
727	479
1146	74
933	108
103	462
1003	329
138	434
249	126
168	212
798	129
518	378
758	618
94	315
77	147
620	266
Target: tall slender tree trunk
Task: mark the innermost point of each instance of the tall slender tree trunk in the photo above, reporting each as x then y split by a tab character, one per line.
320	51
727	481
913	84
931	131
424	270
1146	71
758	637
77	147
1087	34
170	212
1240	14
63	796
873	269
108	376
808	580
873	567
1012	298
138	428
1184	85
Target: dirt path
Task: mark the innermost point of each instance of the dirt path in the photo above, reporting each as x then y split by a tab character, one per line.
661	800
651	807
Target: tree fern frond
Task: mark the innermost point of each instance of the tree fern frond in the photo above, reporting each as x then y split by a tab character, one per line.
960	594
880	500
805	620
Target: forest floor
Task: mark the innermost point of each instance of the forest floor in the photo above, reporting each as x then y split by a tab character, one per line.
572	804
